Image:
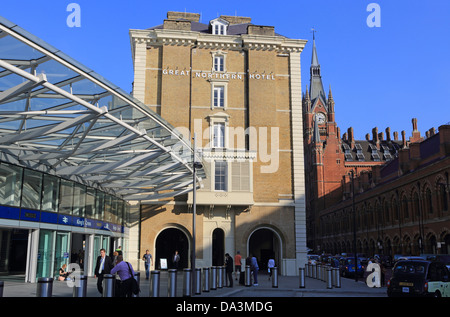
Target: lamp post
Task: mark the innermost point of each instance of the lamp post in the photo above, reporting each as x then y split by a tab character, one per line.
352	173
195	165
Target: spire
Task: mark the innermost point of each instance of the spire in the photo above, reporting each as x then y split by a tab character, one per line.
316	85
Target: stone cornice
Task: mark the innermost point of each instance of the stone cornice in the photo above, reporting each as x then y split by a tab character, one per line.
201	40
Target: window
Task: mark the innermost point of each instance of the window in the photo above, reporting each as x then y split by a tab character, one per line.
219	135
220	179
219	63
31	191
50	197
219	29
10	184
219	96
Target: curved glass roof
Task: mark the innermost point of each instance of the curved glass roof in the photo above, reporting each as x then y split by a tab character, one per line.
60	117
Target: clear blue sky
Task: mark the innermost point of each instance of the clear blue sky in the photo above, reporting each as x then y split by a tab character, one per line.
379	77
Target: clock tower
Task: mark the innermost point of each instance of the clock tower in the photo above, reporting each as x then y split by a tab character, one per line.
323	153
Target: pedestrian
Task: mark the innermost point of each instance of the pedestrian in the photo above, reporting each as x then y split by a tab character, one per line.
176	259
229	269
254	267
148	261
126	273
270	266
114	258
237	265
103	266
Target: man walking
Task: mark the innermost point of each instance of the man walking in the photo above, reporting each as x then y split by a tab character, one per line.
103	266
148	262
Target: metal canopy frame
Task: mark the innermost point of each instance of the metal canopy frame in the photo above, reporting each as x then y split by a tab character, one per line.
62	118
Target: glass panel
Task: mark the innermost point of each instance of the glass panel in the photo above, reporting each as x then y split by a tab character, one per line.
66	197
97	247
50	197
108	205
61	252
10	184
31	192
90	202
79	200
45	254
100	206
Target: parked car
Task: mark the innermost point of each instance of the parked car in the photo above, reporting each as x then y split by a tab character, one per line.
444	258
347	267
312	258
419	278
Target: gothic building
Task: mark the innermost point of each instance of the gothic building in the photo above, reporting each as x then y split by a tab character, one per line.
386	173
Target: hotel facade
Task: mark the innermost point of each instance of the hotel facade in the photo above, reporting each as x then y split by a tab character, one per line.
237	87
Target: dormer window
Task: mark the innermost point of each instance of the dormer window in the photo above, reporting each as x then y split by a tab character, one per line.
219	26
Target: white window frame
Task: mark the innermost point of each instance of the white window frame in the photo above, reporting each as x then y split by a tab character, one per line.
219	63
218	137
219	27
224	176
218	96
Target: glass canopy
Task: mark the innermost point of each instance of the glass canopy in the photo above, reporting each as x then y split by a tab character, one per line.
59	117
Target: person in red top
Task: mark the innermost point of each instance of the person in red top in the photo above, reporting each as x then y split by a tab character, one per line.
237	265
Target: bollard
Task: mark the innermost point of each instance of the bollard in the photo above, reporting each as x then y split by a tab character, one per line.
44	287
187	283
220	277
108	285
337	279
172	288
275	277
198	281
224	277
206	280
301	275
307	266
319	272
137	277
248	276
154	285
80	287
214	278
2	284
313	271
329	278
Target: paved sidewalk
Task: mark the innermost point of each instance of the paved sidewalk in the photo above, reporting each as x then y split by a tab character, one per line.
288	286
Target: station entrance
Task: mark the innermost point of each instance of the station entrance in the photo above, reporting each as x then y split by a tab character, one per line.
168	241
264	244
13	251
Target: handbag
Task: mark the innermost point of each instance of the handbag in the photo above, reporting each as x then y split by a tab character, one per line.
134	284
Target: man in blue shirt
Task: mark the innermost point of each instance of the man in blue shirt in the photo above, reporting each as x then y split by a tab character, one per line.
148	262
123	269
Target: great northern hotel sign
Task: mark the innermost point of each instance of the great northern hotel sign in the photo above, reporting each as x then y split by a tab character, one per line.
217	75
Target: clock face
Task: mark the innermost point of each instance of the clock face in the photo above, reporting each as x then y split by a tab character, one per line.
320	118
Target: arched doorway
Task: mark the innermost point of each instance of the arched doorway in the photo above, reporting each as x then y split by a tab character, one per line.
168	241
218	247
264	243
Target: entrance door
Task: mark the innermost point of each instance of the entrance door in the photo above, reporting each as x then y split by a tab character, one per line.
218	247
169	241
45	254
265	244
62	251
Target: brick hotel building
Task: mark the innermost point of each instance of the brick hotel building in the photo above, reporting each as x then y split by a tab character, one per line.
237	85
401	186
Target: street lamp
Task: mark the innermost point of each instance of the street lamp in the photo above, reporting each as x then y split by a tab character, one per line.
352	174
195	165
